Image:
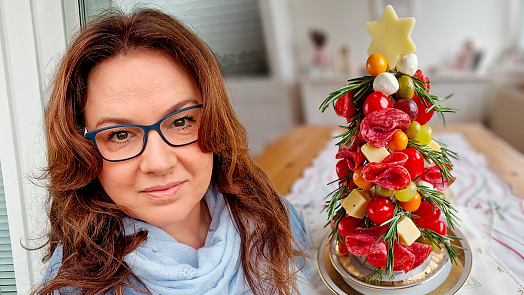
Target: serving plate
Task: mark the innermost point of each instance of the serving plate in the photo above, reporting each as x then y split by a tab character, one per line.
446	278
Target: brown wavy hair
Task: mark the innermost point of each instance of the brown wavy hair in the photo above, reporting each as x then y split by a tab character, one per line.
85	221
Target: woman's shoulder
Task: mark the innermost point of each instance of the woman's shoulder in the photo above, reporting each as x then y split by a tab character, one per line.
54	264
299	228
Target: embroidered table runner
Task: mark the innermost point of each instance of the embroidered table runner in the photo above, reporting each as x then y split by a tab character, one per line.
492	215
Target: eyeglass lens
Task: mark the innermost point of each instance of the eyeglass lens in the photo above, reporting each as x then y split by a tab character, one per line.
128	141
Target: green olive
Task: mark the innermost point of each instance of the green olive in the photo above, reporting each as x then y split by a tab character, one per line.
406	88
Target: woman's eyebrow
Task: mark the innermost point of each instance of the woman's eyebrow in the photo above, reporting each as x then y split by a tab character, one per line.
115	121
122	121
180	105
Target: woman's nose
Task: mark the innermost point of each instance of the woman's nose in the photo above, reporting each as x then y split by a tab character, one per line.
158	157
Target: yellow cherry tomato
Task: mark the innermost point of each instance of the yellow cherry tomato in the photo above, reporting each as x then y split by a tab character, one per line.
359	181
413	204
398	142
376	64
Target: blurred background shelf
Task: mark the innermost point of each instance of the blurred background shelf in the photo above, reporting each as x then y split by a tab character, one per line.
470	95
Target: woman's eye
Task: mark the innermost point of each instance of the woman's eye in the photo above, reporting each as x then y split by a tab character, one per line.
120	135
182	122
179	122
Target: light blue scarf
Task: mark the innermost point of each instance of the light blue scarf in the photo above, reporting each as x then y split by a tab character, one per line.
166	266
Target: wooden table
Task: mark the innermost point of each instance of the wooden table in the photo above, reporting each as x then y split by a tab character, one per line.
285	160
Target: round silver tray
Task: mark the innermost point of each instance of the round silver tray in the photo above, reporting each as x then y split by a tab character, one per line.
446	278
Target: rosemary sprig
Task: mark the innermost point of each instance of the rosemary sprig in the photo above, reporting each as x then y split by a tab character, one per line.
446	151
430	100
437	239
435	198
336	195
353	127
359	84
341	212
361	88
334	209
440	158
376	274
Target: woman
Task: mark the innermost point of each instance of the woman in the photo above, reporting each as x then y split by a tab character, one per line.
152	189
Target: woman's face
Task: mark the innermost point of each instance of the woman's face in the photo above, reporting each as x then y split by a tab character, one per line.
164	185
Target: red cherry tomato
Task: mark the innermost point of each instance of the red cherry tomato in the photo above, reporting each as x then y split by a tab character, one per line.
344	106
342	248
423	116
415	162
347	225
428	214
342	168
380	210
375	101
438	226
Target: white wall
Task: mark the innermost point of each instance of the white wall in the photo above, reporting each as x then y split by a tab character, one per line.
440	29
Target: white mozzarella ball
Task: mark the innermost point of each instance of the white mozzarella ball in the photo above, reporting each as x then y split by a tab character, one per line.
386	83
407	64
426	164
425	183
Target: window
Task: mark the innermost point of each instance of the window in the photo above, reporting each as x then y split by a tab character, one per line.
7	270
231	28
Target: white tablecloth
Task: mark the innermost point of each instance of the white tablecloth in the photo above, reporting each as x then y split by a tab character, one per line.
492	216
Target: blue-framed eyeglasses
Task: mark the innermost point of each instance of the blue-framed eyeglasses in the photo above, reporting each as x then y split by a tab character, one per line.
127	141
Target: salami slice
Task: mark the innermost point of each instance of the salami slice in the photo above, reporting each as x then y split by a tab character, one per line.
421	252
377	260
354	159
364	243
395	159
355	147
432	175
403	258
378	127
394	178
389	173
372	171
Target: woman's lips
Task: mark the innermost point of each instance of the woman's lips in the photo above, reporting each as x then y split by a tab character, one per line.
163	192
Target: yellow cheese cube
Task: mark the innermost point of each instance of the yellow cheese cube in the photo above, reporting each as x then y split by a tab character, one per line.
427	241
374	154
356	203
407	231
434	145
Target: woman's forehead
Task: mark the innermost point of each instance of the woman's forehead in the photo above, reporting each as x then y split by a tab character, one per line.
145	82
